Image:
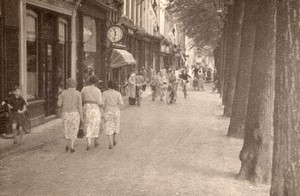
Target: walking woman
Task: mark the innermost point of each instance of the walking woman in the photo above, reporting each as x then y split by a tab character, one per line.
71	103
112	100
92	101
132	88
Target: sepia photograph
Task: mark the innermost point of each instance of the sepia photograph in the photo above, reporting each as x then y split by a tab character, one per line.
149	97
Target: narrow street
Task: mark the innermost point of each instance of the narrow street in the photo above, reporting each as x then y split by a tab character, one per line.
178	149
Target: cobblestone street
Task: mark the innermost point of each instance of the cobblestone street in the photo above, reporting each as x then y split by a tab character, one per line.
178	149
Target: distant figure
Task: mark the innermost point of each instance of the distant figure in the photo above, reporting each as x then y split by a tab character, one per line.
208	75
163	84
112	101
201	81
132	88
71	103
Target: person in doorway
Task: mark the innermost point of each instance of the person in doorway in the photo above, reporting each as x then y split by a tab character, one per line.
17	107
112	101
71	103
132	88
92	101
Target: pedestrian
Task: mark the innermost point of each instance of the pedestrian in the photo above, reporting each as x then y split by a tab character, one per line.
112	101
144	74
154	84
140	85
196	78
132	88
71	103
17	107
163	84
201	81
92	101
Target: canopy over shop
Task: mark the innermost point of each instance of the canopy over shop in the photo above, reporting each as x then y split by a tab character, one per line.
121	63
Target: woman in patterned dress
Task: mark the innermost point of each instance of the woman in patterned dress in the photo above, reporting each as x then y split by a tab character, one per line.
71	103
112	100
92	101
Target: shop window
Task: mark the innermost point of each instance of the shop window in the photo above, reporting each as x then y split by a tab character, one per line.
90	46
32	59
62	47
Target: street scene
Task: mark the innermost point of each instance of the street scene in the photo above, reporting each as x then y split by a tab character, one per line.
150	97
178	149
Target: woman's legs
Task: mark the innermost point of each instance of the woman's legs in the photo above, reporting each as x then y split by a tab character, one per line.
21	132
110	140
88	143
114	139
72	141
15	132
68	144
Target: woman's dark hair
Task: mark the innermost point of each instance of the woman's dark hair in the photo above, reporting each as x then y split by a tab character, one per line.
111	85
93	79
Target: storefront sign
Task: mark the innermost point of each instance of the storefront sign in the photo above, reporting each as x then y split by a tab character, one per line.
55	5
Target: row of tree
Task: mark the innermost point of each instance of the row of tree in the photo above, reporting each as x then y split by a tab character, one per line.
257	57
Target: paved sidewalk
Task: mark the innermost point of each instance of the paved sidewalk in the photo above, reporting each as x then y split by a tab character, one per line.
43	134
179	149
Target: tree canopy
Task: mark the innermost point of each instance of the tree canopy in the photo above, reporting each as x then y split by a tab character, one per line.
200	19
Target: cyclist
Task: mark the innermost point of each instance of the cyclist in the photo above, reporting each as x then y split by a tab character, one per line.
185	79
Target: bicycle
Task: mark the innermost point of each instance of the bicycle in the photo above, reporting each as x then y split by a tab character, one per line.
9	123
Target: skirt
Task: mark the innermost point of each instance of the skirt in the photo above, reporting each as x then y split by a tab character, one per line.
71	121
112	122
92	120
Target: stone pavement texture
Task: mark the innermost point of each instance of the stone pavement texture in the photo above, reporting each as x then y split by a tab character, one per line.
178	149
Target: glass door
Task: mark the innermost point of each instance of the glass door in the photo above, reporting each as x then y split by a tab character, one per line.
49	80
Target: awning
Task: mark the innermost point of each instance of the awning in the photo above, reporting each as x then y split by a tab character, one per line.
121	58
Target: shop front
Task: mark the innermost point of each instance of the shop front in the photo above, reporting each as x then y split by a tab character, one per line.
92	49
47	42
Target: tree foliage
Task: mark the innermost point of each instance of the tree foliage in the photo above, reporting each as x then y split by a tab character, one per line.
200	20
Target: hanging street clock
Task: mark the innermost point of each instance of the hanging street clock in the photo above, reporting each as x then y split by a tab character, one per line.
115	33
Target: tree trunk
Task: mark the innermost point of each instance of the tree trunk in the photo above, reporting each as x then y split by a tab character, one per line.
233	54
227	41
222	69
286	160
217	58
240	102
256	154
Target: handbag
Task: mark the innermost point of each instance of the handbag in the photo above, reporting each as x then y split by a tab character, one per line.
80	133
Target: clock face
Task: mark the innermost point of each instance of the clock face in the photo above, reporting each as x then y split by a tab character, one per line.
115	33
